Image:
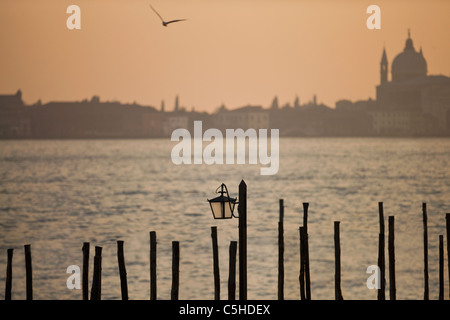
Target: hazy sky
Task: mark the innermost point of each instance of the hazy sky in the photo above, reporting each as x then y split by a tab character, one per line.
234	52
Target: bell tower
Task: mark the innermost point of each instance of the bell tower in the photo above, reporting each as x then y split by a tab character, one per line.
384	68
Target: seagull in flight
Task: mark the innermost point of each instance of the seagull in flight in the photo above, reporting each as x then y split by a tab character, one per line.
165	23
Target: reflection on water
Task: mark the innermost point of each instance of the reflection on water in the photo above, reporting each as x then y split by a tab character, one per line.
56	195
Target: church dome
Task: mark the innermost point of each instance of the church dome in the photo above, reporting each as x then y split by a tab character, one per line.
408	64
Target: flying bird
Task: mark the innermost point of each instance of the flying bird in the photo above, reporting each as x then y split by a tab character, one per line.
165	23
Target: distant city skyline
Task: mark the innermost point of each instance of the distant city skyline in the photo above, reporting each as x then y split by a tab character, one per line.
228	52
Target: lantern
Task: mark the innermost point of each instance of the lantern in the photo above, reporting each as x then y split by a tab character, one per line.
222	207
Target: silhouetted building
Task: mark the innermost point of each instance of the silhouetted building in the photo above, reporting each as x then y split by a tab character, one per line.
174	120
412	103
15	117
248	117
274	105
152	124
177	104
297	103
310	119
409	64
95	119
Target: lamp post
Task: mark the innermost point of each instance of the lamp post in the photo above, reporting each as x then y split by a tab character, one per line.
222	207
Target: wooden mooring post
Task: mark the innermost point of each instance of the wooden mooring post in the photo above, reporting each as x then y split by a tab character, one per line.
306	251
441	267
425	251
85	280
447	223
216	271
242	209
381	256
302	264
391	250
122	270
175	270
281	253
96	289
153	293
29	272
337	262
232	271
8	285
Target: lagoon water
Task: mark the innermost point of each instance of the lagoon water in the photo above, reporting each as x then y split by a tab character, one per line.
57	194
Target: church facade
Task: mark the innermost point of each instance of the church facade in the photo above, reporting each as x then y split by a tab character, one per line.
412	102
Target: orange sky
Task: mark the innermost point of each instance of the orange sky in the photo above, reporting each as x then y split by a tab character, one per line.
229	51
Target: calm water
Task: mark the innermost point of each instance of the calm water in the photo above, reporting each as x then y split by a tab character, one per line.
56	195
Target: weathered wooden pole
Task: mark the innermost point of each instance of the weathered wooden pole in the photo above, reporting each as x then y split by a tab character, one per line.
447	222
29	272
216	271
122	270
8	286
441	267
85	281
281	253
305	216
425	251
337	262
96	289
306	251
175	270
153	265
242	209
381	257
391	248
232	271
302	264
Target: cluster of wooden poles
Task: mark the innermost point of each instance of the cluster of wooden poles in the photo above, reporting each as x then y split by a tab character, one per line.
304	278
391	253
304	272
